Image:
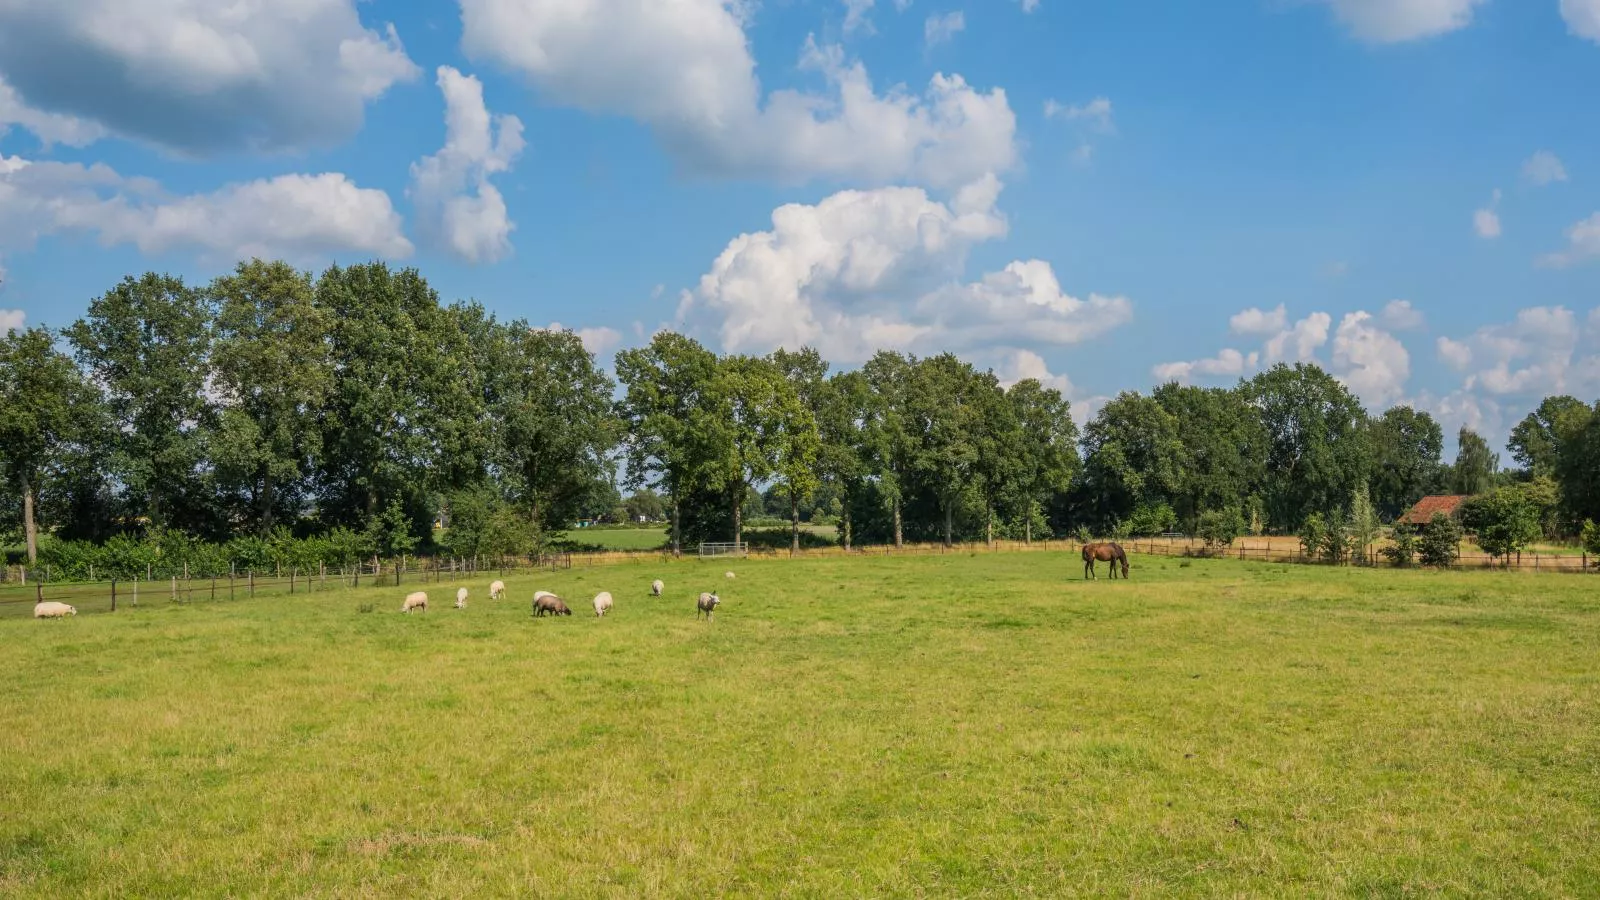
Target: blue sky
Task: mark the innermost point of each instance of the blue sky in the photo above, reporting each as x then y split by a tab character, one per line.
1099	193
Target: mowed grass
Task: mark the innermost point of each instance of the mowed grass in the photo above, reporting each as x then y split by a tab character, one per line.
961	726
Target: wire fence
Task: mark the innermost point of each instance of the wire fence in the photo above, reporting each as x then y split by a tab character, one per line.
19	594
1289	551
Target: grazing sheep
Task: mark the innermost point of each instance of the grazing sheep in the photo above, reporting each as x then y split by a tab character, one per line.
729	575
708	604
50	609
602	603
497	590
538	594
551	604
461	598
656	587
415	600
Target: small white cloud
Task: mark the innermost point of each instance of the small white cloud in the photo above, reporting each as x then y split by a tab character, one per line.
458	209
49	128
1402	316
1028	6
1257	321
1583	18
1337	269
1229	362
1486	221
855	16
598	340
1021	365
12	320
1583	244
1299	342
1096	112
942	29
1396	21
1544	168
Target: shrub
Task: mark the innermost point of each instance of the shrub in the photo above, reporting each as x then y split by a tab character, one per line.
1221	527
1152	518
1505	519
1439	540
1313	534
1591	539
1403	552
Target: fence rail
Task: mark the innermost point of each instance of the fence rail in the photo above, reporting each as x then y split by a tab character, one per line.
1570	563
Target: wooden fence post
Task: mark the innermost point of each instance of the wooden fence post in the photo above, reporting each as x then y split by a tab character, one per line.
174	589
136	590
113	595
252	579
213	588
38	591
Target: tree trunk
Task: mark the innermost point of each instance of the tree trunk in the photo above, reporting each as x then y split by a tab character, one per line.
794	522
268	496
898	538
949	515
846	522
989	528
738	515
28	527
677	535
1027	525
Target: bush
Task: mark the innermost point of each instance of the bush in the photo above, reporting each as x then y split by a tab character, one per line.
1221	527
1403	552
1591	539
1440	538
1152	519
1505	521
1313	534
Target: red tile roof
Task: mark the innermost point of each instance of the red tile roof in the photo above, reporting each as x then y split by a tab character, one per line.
1423	512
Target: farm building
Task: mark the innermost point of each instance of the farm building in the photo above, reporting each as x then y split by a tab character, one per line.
1427	507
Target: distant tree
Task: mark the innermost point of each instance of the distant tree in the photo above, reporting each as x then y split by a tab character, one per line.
1578	465
1313	535
645	504
1152	519
1440	542
1223	447
273	372
390	532
45	408
673	433
146	342
1504	520
1338	538
946	413
1536	441
763	417
800	442
1406	448
1220	527
845	455
1591	539
1000	471
1318	441
1363	526
1403	550
1048	454
888	430
1132	457
1475	466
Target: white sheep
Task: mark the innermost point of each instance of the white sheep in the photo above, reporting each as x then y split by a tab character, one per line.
415	600
497	590
656	587
50	609
707	604
729	575
461	598
602	603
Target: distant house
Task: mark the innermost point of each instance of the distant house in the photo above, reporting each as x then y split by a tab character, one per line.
1428	507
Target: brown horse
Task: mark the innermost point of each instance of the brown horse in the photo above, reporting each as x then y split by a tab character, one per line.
1111	553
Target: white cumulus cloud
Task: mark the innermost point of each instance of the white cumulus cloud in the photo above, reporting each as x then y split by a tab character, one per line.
1395	21
1400	315
1229	362
299	217
1259	321
1582	18
1371	361
685	69
1096	112
12	320
1583	244
49	128
1455	354
201	76
1544	168
943	28
1486	221
458	208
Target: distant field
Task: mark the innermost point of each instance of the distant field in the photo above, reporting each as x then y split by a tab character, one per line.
962	725
655	537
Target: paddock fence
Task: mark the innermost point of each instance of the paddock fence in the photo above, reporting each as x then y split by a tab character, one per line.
20	588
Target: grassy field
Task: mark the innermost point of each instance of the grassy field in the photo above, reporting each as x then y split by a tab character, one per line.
962	726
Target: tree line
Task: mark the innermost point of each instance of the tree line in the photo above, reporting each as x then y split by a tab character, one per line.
356	409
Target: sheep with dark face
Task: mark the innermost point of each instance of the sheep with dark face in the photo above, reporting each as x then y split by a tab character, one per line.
707	604
550	604
656	587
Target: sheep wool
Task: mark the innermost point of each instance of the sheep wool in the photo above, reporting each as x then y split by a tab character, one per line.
461	598
656	587
497	590
602	603
417	600
50	609
707	604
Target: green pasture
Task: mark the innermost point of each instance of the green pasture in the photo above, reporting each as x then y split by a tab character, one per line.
955	726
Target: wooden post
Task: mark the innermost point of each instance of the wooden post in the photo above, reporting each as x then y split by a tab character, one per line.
291	579
136	590
113	595
213	588
38	592
252	578
174	589
230	582
91	571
